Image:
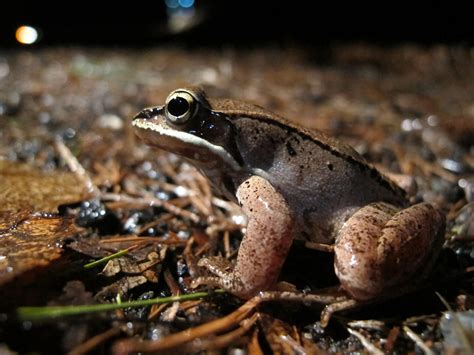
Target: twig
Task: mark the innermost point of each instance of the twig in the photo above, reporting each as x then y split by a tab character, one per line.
222	341
432	168
151	201
418	341
328	248
457	325
391	339
128	346
93	342
371	348
227	244
149	240
75	166
367	324
295	346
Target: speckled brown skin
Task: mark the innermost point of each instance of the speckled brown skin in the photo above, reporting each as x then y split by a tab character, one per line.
379	247
318	184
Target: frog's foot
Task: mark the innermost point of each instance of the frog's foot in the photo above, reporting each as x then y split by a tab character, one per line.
335	300
380	247
224	278
227	279
349	303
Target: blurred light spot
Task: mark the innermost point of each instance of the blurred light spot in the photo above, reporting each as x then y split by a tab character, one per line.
432	120
416	124
452	165
411	124
172	4
240	220
26	35
462	183
181	19
209	75
406	125
110	121
181	191
182	15
186	3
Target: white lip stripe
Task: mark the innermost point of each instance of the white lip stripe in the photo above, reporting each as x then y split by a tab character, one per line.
189	139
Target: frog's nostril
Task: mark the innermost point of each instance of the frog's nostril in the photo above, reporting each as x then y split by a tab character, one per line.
146	113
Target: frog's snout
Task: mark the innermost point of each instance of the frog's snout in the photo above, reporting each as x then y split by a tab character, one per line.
148	113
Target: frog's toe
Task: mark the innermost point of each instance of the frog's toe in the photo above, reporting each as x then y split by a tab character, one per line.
225	277
217	265
205	281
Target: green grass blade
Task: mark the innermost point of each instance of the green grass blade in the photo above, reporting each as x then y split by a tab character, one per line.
107	258
39	313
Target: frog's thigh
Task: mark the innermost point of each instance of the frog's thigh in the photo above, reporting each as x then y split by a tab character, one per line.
379	247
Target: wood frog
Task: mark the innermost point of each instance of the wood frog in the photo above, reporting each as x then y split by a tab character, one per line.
295	183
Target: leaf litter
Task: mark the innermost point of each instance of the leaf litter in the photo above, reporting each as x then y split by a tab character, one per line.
123	196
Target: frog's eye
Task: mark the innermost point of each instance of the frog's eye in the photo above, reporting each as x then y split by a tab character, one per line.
180	106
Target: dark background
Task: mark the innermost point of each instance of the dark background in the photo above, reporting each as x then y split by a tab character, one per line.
217	22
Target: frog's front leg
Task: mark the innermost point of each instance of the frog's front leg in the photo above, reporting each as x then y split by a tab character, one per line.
380	247
264	246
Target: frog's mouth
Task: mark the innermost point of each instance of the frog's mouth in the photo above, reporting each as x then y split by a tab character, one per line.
157	133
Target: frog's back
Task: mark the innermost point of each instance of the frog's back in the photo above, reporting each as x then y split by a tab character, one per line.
324	180
237	109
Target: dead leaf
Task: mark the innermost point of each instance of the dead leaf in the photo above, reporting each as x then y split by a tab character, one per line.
130	266
24	188
121	287
28	241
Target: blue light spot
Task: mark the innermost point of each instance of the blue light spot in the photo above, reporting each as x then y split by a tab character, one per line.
186	3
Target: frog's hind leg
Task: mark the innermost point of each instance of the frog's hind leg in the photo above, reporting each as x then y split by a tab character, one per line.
380	247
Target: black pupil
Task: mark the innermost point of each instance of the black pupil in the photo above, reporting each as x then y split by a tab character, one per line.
178	106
